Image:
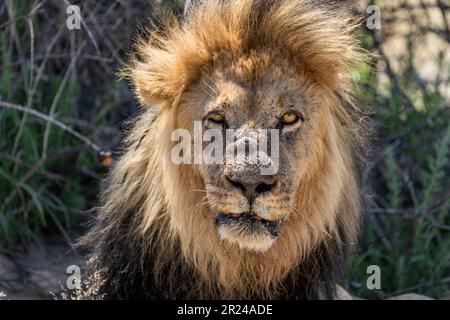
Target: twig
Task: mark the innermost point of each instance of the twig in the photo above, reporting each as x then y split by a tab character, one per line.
60	56
31	173
442	9
381	234
48	175
30	23
31	80
34	87
420	286
389	70
59	225
57	97
57	123
15	36
411	213
91	36
106	41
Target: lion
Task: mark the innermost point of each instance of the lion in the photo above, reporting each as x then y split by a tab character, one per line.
226	231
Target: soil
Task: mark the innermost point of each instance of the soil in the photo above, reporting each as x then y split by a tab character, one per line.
37	273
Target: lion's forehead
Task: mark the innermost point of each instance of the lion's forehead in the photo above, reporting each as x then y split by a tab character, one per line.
259	102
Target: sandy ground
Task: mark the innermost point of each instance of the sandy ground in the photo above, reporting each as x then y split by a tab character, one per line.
39	273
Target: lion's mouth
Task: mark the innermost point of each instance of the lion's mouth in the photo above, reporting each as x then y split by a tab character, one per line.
249	223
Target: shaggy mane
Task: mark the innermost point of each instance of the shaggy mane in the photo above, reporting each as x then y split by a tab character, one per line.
316	39
153	238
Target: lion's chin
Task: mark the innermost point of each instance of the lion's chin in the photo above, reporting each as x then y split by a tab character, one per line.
257	243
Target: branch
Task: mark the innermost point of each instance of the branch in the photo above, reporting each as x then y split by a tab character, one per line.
57	123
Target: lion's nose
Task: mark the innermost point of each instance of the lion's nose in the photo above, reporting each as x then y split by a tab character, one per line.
252	188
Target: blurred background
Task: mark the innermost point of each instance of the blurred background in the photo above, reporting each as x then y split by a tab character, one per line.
62	106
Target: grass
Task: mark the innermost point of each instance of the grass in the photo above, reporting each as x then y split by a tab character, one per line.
48	177
37	190
407	223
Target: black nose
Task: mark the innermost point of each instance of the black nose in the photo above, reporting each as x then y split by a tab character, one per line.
252	189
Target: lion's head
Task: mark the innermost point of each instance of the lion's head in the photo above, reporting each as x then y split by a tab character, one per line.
229	229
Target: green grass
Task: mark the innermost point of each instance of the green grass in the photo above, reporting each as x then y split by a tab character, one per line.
40	194
32	187
406	230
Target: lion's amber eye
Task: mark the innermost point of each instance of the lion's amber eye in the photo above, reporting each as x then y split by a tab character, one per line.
218	118
289	118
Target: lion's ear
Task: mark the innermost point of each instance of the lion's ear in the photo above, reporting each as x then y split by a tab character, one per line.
155	82
155	79
165	66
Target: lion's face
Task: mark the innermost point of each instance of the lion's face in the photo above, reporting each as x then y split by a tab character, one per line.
248	204
234	229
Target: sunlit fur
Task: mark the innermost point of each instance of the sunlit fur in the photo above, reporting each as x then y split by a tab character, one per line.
155	237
